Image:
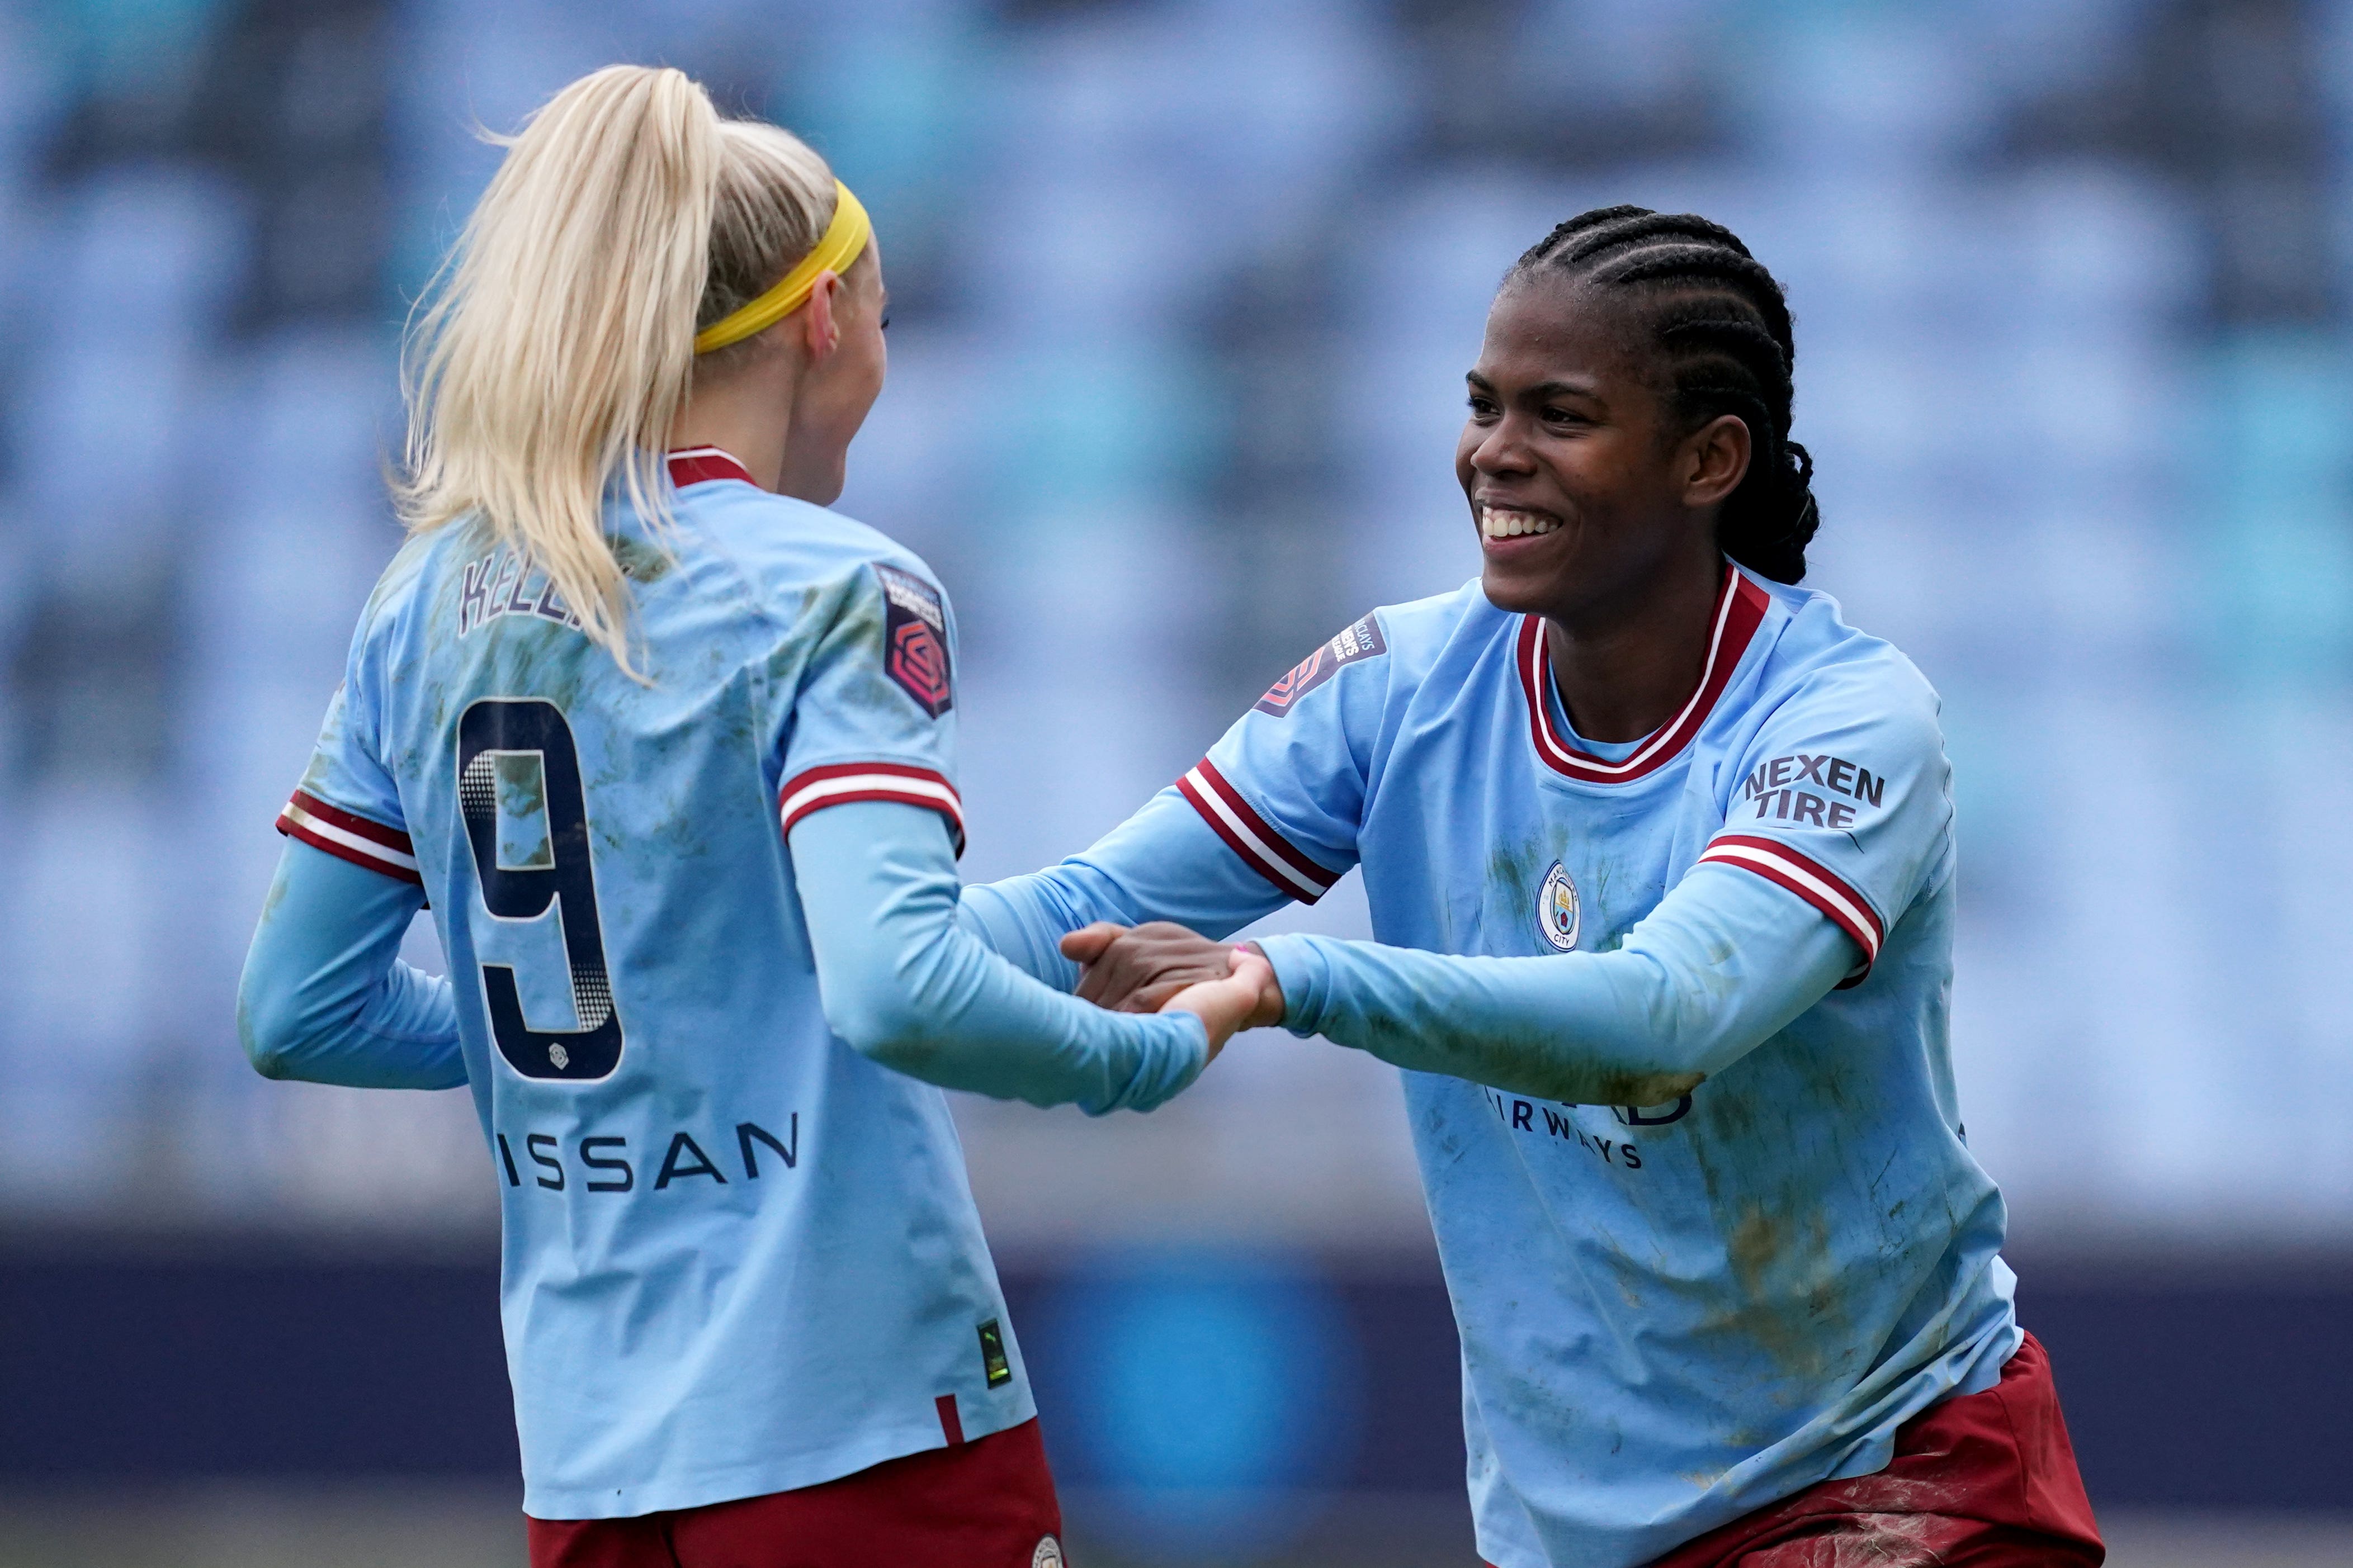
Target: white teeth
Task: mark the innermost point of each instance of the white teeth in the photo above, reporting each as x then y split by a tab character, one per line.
1505	522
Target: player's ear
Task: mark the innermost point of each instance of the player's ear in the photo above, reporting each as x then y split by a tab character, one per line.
821	332
1714	459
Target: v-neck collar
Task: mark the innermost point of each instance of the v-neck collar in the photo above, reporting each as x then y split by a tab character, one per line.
1740	609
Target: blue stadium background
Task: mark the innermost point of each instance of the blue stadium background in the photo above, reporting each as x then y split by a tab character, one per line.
1184	290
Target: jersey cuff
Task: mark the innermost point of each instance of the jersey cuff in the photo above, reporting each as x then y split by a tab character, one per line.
1811	880
1263	850
350	837
838	784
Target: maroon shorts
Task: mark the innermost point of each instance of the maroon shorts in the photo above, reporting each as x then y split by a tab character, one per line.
1983	1480
988	1503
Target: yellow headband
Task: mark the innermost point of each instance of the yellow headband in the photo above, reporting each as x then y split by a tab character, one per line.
845	239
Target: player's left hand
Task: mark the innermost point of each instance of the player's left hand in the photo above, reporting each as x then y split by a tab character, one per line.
1248	998
1136	969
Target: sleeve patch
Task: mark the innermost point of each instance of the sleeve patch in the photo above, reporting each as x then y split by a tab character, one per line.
1811	880
915	640
350	837
1362	640
844	781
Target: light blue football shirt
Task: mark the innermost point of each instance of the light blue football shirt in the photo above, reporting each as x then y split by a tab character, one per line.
739	1256
1673	1313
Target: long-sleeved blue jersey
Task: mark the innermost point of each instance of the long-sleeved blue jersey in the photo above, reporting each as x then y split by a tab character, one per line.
1683	1109
740	1254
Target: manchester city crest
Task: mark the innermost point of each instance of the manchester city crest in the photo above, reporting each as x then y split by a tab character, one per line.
1557	911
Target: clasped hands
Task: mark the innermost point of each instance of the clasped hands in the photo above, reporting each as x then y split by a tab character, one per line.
1161	967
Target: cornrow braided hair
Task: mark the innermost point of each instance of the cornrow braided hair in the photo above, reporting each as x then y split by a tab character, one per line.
1724	325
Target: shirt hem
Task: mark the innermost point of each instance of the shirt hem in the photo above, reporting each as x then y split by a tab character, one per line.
1873	1453
701	1488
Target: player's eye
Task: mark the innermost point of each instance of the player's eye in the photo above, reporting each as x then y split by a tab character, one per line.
886	321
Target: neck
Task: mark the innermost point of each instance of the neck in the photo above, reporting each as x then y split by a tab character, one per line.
1624	671
748	414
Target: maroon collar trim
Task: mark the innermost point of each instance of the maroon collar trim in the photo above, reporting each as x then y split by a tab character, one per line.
1739	611
698	465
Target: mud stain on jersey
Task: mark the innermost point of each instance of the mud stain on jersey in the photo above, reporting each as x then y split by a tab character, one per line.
1513	873
522	791
638	561
781	670
276	896
1523	1065
1787	1278
1830	1078
857	626
677	834
1439	1129
1733	1113
314	776
1642	1087
1788	1299
1601	912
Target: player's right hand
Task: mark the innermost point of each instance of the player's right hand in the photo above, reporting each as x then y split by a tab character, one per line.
1136	969
1246	998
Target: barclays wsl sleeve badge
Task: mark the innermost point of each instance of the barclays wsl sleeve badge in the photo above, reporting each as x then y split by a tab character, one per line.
1362	640
915	640
1557	911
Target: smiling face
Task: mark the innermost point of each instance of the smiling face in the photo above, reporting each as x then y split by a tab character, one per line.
1583	487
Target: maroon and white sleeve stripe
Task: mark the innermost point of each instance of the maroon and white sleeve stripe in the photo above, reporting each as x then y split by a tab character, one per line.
350	837
1267	852
814	789
1811	880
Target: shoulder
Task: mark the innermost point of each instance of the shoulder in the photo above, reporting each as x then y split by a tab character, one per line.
1383	649
403	591
1424	631
793	555
1821	670
397	585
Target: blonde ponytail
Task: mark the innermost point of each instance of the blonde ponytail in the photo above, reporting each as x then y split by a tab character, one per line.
556	349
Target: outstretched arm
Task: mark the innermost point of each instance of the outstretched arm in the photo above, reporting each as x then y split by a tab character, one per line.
325	997
1270	816
908	985
1163	864
1719	967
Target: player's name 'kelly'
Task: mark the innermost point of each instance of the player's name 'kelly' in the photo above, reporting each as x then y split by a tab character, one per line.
500	584
1764	786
